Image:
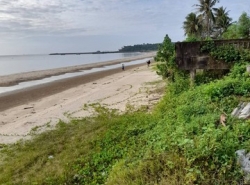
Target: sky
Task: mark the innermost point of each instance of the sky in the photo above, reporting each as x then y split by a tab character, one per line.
50	26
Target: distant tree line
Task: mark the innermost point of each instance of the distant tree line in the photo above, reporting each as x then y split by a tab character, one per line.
140	48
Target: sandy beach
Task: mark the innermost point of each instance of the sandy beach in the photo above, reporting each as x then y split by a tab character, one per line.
38	108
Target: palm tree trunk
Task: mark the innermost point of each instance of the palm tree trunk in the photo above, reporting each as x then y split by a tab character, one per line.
208	27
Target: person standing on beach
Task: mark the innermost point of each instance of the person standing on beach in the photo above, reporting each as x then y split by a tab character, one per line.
123	67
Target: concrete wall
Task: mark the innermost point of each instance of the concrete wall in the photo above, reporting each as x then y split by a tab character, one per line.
189	57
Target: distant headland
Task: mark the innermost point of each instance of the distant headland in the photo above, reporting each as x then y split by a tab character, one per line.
82	53
124	49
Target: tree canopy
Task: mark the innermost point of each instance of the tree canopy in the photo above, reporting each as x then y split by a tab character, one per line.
205	8
239	29
192	25
208	21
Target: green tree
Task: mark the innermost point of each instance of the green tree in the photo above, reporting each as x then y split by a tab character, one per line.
166	59
240	29
192	25
232	32
205	8
244	25
222	20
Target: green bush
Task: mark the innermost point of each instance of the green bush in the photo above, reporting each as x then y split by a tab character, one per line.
227	53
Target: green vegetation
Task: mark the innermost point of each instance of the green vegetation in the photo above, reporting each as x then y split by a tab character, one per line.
179	142
208	22
226	53
239	29
165	59
211	22
140	48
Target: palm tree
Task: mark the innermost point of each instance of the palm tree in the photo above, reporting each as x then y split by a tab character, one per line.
219	12
222	20
192	25
205	7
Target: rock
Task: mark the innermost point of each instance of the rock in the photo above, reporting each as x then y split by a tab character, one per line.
236	111
245	113
243	160
51	157
242	111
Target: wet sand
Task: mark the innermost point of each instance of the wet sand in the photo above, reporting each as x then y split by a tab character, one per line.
24	96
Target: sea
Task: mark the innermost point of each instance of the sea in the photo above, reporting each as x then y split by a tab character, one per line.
26	63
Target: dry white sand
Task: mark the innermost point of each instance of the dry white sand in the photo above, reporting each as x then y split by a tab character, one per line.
116	91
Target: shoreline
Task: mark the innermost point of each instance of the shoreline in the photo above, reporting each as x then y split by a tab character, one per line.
24	96
14	79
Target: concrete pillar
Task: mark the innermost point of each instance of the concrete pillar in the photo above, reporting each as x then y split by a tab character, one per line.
248	68
192	76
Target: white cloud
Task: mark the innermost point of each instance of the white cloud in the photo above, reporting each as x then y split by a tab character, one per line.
79	17
136	20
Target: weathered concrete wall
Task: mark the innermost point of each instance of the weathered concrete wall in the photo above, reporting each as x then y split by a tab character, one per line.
189	57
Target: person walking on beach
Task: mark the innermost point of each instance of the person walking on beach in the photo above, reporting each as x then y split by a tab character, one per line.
123	67
148	62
